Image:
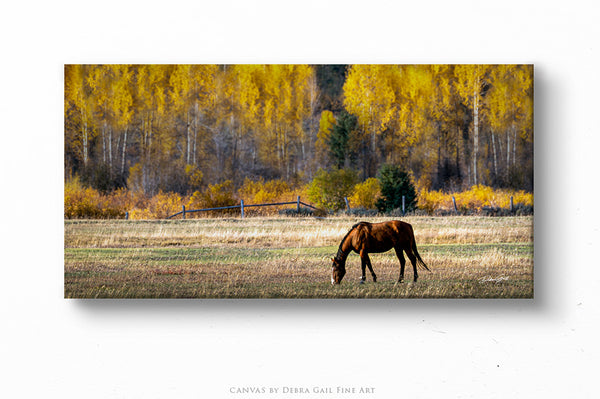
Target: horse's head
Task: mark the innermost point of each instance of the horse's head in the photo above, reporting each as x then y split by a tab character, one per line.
338	270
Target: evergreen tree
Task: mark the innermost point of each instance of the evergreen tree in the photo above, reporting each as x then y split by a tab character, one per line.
395	183
340	139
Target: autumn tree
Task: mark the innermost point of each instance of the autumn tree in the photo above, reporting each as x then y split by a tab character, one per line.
184	127
328	189
395	183
369	95
79	127
510	107
342	141
470	80
326	123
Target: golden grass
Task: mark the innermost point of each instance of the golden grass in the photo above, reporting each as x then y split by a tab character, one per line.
285	232
289	257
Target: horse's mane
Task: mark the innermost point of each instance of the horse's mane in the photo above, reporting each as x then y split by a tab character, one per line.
340	252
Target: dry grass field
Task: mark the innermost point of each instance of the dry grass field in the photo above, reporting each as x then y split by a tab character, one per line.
470	257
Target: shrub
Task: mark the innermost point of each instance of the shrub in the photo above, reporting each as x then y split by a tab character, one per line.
86	202
328	189
215	196
160	206
476	198
430	201
258	192
479	199
366	194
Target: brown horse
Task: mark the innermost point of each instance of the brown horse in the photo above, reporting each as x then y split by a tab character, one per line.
364	238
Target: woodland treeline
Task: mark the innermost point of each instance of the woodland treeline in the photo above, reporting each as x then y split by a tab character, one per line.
179	128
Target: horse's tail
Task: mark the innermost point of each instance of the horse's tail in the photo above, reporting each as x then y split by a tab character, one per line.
414	248
419	260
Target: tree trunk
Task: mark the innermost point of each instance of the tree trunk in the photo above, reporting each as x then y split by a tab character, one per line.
458	133
495	156
439	152
104	142
110	149
187	122
123	153
514	157
85	137
508	150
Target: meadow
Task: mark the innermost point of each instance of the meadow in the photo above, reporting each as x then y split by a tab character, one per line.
290	257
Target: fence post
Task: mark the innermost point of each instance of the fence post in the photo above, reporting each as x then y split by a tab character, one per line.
512	206
242	207
403	205
298	204
183	211
347	204
454	203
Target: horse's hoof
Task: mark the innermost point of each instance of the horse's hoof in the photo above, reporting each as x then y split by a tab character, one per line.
361	282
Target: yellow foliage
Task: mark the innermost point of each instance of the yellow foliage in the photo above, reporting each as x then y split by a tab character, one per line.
158	207
430	201
366	194
522	197
85	202
475	199
194	175
215	196
260	192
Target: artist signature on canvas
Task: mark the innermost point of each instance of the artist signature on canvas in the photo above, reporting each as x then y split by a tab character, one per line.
488	279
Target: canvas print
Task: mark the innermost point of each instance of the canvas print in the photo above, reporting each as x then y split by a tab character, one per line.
298	181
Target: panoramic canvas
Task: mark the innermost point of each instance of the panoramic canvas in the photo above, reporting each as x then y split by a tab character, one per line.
298	181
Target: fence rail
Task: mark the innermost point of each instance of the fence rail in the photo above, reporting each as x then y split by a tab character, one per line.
298	203
242	207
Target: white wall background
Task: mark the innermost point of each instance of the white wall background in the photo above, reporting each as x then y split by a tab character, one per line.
546	347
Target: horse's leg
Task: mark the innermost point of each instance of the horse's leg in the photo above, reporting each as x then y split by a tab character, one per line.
413	260
402	263
364	258
370	268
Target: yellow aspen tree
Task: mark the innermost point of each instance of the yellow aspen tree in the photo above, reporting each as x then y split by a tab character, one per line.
244	109
151	94
416	127
322	144
304	92
510	109
469	82
283	108
99	80
447	122
203	102
122	105
180	91
369	95
78	96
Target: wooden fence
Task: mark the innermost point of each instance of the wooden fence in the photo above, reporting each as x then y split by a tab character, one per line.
241	206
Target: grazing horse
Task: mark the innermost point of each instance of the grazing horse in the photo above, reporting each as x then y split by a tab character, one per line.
364	238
